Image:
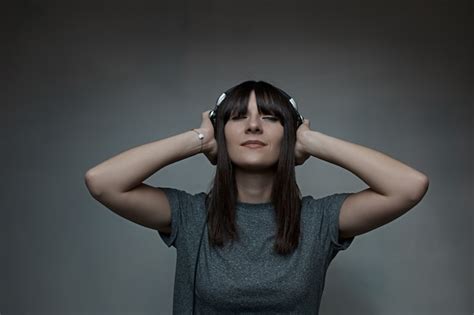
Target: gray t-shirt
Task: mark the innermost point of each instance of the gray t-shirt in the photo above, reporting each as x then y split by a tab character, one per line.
247	277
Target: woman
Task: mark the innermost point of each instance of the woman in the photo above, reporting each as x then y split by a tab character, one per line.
267	249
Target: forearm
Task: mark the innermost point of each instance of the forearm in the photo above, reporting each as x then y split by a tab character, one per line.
382	173
130	168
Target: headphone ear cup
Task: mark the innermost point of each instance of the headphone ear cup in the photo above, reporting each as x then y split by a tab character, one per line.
221	98
213	117
292	101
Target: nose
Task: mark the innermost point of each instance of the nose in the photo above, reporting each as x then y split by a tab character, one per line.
254	124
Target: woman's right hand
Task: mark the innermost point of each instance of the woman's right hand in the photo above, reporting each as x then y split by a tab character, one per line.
209	147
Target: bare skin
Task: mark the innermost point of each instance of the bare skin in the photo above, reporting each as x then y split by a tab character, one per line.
394	186
254	167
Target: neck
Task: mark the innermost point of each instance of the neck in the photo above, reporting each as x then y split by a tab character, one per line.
254	187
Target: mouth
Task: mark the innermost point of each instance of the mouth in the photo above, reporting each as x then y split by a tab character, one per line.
253	141
253	145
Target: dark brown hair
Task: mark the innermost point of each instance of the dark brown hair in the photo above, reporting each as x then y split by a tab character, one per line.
285	197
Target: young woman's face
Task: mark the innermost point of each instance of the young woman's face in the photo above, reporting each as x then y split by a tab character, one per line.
253	126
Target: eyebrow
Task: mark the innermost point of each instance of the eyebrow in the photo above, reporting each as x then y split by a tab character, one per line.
269	114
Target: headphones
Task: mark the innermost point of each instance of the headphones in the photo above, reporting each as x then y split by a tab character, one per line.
212	116
213	113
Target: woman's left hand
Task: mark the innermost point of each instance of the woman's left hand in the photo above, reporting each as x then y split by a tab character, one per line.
300	153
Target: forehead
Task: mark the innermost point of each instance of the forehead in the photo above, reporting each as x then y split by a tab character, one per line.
252	101
249	104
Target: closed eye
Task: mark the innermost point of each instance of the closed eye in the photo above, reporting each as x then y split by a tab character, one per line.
272	118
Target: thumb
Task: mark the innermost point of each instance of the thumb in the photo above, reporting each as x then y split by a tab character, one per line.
205	118
306	122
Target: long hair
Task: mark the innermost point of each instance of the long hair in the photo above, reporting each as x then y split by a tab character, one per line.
285	196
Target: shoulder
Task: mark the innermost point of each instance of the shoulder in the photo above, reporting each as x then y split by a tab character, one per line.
324	212
326	205
325	200
181	195
186	205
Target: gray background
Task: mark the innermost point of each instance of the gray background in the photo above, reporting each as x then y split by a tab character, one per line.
82	82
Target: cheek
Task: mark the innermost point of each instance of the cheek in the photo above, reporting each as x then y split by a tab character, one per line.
278	147
231	144
227	137
228	132
231	137
279	142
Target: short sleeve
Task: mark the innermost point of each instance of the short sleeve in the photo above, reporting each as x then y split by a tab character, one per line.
181	204
332	206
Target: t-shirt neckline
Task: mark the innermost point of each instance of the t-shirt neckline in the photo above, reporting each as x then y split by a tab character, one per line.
254	206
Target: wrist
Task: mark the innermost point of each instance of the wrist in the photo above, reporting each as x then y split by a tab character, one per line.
308	139
206	140
304	136
200	136
314	144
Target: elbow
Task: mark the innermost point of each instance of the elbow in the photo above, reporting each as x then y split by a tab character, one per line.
91	183
420	188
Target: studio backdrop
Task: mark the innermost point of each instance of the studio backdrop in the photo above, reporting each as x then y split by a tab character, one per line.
84	81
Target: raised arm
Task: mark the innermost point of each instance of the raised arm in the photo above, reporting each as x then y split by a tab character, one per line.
394	187
118	181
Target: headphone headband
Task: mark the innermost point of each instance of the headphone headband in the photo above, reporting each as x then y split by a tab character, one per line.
220	99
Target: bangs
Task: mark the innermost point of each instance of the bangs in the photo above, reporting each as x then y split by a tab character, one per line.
269	101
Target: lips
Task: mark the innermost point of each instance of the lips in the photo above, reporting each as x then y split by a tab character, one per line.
253	142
